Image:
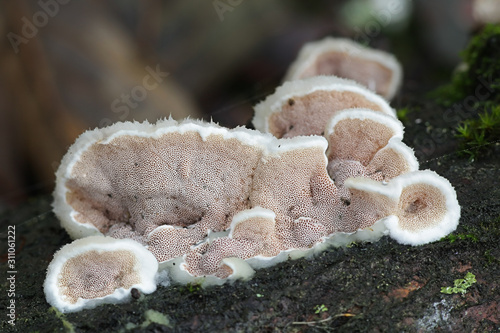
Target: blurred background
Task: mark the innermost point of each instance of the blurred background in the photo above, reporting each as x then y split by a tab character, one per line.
70	65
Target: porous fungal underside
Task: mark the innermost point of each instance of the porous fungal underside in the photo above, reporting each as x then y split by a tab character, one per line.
176	188
290	121
129	186
93	274
95	270
326	167
304	107
377	70
418	206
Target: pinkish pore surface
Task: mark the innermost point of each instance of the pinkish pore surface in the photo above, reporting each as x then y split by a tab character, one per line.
131	185
307	115
92	274
358	140
369	73
421	206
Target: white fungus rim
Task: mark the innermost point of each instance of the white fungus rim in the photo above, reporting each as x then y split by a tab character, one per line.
146	266
311	51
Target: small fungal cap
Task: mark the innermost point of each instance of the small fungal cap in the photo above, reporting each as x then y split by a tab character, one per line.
179	272
377	70
257	223
97	270
428	208
358	134
371	201
167	242
303	107
395	159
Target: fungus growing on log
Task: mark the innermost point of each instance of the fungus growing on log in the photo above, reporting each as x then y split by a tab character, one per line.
304	107
97	270
208	215
210	204
375	69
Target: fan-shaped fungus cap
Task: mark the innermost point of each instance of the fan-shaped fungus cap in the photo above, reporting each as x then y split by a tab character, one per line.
395	159
358	134
420	206
375	69
130	178
256	225
366	143
303	107
428	209
97	270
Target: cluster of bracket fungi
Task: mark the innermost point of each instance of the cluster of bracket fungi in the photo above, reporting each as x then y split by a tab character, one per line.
325	166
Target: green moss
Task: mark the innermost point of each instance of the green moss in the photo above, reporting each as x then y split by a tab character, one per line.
482	65
454	237
403	114
157	317
320	308
474	92
66	324
478	134
460	285
151	317
192	288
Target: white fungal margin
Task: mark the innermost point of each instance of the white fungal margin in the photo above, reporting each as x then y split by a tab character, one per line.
403	150
145	267
442	227
178	272
299	88
311	51
365	114
391	190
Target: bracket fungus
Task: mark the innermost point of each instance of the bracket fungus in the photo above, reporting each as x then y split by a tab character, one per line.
375	69
97	270
371	141
420	207
184	192
210	204
303	107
